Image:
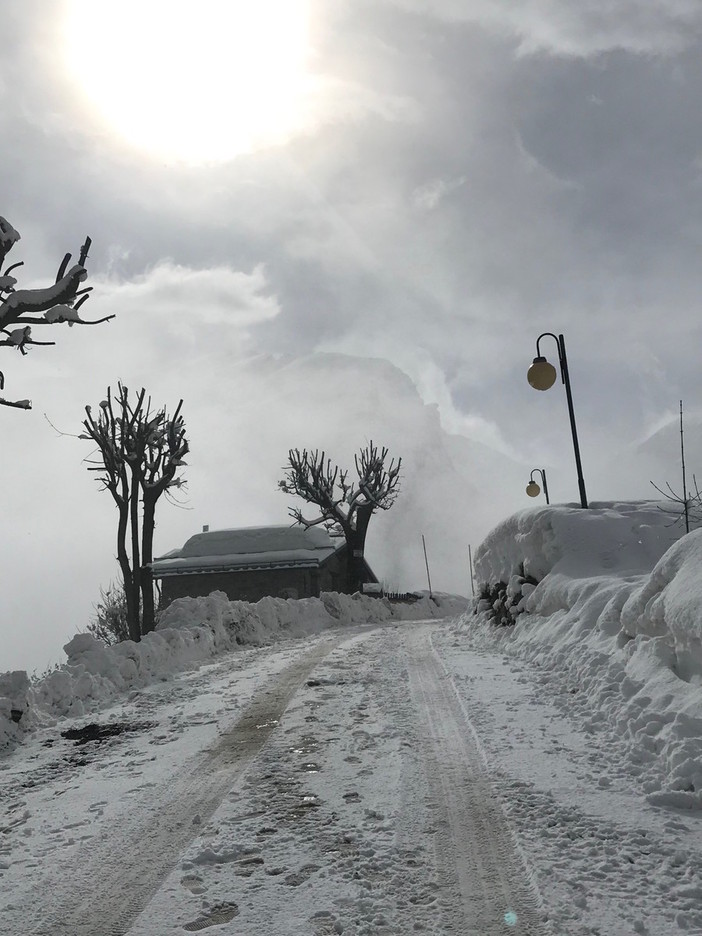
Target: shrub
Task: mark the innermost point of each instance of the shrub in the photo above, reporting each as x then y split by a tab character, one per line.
504	601
110	623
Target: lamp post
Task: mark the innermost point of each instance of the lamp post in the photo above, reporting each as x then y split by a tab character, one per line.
541	376
533	489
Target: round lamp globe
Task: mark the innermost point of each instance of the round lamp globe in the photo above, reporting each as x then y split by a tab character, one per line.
541	375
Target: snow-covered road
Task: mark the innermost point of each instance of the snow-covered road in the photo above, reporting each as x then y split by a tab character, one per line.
380	780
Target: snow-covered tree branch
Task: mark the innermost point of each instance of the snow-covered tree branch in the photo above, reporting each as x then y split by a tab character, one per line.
59	303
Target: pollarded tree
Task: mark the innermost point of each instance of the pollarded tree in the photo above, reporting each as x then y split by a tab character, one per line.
140	453
345	508
50	305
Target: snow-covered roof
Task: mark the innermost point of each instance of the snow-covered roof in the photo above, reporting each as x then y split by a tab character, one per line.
248	548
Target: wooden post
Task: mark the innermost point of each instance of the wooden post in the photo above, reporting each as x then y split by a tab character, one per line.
426	562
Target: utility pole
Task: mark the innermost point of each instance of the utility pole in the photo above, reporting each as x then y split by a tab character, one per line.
426	562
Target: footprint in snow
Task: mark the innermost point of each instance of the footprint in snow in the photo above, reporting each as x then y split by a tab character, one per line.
193	883
325	924
374	815
247	866
300	876
221	913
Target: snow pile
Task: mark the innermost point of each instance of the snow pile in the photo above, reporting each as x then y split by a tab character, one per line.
190	630
14	688
617	615
620	538
669	605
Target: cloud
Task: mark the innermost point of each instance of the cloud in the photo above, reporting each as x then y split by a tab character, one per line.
574	27
193	297
545	211
428	195
476	174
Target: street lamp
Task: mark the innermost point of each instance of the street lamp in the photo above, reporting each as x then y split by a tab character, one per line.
542	375
533	489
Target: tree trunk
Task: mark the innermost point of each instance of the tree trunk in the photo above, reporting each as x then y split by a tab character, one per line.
355	545
127	578
148	612
136	550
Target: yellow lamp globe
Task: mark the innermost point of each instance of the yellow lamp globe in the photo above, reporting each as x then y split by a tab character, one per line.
541	375
533	489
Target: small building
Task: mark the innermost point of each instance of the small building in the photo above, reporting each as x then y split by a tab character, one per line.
255	562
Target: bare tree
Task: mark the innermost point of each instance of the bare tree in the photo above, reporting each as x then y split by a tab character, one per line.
345	508
691	504
140	453
44	306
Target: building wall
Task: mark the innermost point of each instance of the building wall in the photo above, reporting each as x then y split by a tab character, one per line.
254	584
333	572
332	575
247	585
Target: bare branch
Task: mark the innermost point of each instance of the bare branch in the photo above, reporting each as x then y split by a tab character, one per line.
84	251
62	268
60	432
667	496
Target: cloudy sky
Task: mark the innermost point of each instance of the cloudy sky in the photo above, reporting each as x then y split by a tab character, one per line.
324	221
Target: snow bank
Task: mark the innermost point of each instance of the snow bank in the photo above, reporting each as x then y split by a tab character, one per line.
669	605
616	616
619	538
190	630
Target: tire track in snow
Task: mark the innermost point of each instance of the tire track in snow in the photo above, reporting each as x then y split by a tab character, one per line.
484	885
112	879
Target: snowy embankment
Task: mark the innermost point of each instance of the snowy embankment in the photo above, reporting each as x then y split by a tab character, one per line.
608	601
190	630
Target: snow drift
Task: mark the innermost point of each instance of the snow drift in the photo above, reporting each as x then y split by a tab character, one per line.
609	599
190	630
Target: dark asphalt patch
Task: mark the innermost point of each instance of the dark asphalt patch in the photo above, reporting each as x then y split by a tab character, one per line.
96	732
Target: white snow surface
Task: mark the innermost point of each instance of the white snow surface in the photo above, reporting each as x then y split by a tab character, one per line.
264	539
617	614
248	546
190	630
586	713
619	538
62	313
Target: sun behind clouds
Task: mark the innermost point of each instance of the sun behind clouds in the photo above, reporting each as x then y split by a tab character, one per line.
192	82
